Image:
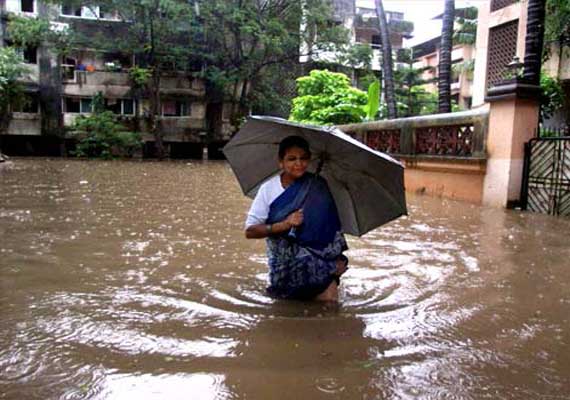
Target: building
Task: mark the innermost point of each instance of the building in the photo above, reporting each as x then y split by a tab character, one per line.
360	19
62	88
426	55
500	38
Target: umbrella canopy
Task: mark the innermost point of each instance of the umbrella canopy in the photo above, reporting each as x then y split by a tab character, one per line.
367	186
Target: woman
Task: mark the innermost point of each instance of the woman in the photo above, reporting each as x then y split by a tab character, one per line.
295	211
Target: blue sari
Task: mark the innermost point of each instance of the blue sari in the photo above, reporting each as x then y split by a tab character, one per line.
303	265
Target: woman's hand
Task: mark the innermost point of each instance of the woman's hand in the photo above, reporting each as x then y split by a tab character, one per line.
295	219
260	231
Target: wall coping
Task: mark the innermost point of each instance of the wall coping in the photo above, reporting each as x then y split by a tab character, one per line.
456	118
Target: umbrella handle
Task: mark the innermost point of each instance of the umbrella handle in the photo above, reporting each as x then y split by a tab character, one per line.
292	232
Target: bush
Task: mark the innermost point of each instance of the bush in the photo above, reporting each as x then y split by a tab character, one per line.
552	96
100	135
326	98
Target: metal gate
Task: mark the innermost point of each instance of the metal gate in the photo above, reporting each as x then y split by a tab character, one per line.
546	176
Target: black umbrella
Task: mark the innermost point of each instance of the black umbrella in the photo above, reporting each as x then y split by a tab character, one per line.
367	186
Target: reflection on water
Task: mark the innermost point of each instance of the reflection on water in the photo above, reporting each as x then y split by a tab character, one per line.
133	279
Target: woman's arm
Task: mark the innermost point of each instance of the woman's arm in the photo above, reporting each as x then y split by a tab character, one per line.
260	231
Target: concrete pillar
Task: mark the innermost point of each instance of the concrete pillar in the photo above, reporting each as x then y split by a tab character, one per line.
513	121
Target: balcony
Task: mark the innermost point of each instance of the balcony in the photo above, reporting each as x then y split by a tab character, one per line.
370	22
117	84
182	84
83	83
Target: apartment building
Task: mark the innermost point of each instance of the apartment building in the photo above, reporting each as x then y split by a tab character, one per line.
426	55
360	19
60	88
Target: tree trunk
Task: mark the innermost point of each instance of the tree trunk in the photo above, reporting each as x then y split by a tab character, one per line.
444	76
534	41
387	64
155	115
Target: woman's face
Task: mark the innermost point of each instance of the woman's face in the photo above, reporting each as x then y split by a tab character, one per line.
295	162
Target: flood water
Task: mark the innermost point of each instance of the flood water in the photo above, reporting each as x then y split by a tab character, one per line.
133	280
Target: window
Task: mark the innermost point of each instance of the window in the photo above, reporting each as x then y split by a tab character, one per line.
27	6
72	11
394	16
456	69
128	107
77	105
118	60
30	55
120	106
68	66
498	4
90	12
30	104
175	108
86	106
107	13
71	105
376	41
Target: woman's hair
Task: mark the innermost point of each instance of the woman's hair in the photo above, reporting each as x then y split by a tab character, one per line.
293	141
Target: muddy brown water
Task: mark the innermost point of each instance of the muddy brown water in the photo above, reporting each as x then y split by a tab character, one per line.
133	280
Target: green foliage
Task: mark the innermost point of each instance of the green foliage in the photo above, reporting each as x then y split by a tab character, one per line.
27	31
373	105
98	103
552	96
547	133
557	22
411	96
11	69
357	56
467	66
139	77
227	42
11	90
406	27
100	135
466	32
326	98
24	31
242	39
269	95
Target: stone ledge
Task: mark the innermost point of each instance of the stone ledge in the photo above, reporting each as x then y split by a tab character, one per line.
455	165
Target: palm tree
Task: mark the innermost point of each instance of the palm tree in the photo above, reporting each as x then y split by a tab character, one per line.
387	64
534	41
444	76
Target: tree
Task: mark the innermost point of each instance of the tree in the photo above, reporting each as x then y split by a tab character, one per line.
160	34
552	98
412	98
387	62
444	67
24	31
243	39
12	70
534	41
101	135
230	43
557	27
326	98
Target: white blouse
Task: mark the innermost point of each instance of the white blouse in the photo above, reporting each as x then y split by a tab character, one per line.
269	191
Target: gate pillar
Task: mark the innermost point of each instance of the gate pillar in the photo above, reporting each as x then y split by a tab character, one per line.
513	121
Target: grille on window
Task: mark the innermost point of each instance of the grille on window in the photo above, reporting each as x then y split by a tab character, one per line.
498	4
502	48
